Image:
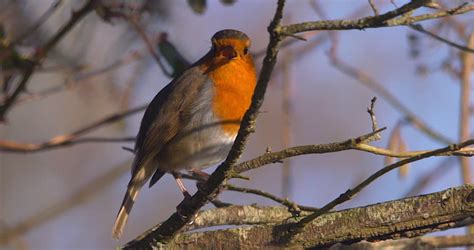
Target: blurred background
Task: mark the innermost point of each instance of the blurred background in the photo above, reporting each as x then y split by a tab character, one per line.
67	197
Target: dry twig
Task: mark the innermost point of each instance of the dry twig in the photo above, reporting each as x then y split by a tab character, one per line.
351	192
41	54
73	137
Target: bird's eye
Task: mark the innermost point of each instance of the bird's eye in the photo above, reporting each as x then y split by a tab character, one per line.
246	50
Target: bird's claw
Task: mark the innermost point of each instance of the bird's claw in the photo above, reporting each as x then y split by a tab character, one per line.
184	204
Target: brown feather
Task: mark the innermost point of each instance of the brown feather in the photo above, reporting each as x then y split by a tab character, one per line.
159	125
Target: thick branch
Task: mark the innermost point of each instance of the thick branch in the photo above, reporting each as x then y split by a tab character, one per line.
237	216
408	217
414	243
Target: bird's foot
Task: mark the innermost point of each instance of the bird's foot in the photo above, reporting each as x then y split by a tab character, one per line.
184	204
200	175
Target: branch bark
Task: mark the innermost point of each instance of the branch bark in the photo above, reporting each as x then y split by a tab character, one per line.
421	243
409	217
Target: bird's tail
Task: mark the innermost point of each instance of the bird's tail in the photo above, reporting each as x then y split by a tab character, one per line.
122	216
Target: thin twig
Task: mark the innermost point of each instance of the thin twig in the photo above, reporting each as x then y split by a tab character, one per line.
431	177
466	152
73	137
459	10
148	44
384	20
273	157
351	192
363	78
316	37
358	143
42	53
42	19
373	119
420	29
292	206
16	242
70	82
374	8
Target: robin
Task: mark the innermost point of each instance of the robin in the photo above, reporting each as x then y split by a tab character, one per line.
192	123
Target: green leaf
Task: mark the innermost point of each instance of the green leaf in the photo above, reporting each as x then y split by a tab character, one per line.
172	56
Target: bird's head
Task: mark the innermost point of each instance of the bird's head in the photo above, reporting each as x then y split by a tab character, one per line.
231	44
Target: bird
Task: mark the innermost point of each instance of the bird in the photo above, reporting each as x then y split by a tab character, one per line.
193	121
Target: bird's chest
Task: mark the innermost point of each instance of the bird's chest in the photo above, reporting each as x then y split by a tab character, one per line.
233	87
203	140
211	122
206	127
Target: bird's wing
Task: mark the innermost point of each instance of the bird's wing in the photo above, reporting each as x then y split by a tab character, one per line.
164	115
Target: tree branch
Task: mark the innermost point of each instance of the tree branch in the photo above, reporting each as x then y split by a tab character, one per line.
351	192
236	215
385	20
72	81
41	20
408	217
41	54
414	243
468	151
363	78
420	29
73	137
291	206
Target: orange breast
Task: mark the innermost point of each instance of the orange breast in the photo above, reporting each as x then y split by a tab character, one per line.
234	84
